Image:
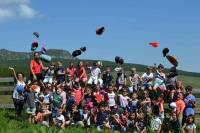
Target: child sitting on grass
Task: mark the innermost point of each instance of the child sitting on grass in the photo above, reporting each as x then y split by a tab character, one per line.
59	120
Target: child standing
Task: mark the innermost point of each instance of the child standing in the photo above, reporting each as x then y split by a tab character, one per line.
189	126
134	79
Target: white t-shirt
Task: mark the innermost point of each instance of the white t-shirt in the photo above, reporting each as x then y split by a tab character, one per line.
123	100
134	79
146	77
95	72
15	93
191	127
111	99
61	118
155	123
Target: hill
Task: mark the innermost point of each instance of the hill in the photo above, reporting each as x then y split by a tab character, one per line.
20	60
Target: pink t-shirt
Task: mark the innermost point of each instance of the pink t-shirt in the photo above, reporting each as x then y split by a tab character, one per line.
78	95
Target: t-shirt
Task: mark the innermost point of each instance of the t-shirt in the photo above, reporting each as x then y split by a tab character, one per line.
95	72
191	128
189	108
60	76
107	78
60	118
134	79
30	99
155	123
57	101
78	95
175	126
121	78
147	78
180	106
111	99
16	95
160	78
49	73
71	71
36	67
134	105
123	101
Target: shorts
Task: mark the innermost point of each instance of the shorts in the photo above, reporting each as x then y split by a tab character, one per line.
48	80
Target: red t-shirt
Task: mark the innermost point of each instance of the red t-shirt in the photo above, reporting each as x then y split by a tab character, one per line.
71	71
36	67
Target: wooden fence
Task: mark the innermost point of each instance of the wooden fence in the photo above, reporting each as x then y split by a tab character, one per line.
6	88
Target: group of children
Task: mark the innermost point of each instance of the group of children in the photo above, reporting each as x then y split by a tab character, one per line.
85	96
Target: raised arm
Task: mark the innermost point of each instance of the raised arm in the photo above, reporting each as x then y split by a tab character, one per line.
14	73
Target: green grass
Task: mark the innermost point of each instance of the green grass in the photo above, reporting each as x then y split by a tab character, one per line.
10	125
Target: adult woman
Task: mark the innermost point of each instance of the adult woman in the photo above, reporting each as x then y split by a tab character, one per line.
36	67
18	98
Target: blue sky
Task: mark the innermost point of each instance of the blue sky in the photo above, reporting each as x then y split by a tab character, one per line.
130	26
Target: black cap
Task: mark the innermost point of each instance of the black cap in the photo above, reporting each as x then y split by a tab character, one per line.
100	30
76	53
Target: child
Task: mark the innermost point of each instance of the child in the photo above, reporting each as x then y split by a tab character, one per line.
160	79
174	124
102	120
155	121
57	101
81	73
121	79
18	98
146	103
71	70
95	74
98	96
59	120
123	99
141	124
134	79
147	79
189	102
131	122
49	75
134	103
111	97
107	77
160	104
60	73
29	97
88	97
78	91
189	126
180	107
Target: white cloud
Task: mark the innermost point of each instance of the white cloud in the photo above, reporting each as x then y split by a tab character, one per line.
16	9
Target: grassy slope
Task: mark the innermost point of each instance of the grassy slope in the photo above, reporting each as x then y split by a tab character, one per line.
10	125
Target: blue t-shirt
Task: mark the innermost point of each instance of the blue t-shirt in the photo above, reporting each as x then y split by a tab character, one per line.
189	107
